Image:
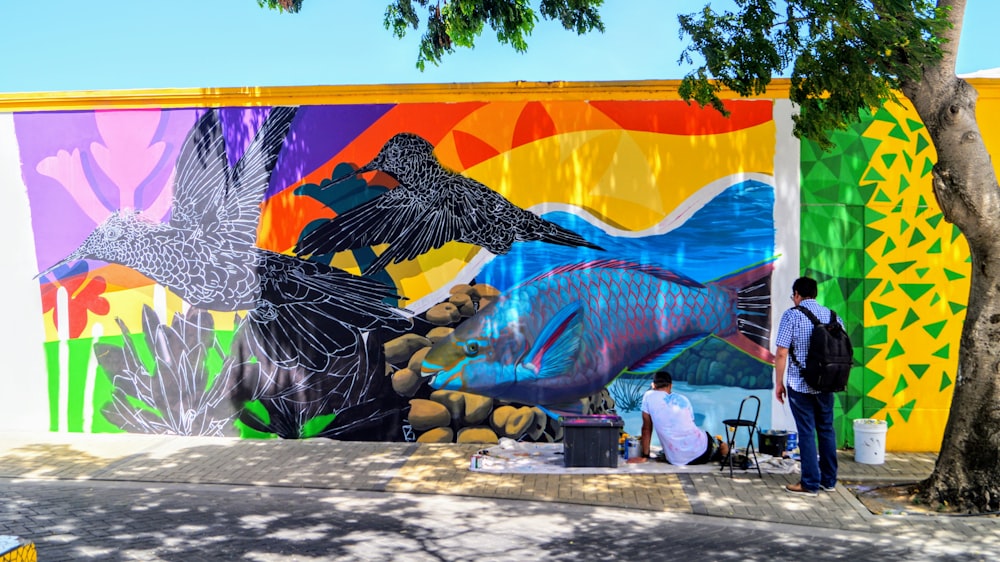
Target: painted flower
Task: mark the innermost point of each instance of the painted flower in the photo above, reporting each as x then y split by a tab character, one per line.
85	295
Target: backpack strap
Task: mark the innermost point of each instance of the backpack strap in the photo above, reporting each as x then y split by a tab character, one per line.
815	322
809	314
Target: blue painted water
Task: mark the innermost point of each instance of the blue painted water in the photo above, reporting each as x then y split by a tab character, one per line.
732	231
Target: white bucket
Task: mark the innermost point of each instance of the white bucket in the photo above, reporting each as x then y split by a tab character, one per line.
869	441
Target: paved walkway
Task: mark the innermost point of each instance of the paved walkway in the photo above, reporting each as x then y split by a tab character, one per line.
443	470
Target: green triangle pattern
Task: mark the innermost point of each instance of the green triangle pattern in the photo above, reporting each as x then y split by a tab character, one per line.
840	240
921	206
895	350
888	420
922	143
919	370
888	288
899	133
944	352
921	271
928	166
906	409
911	317
877	335
869	263
945	381
866	190
935	328
909	160
903	183
953	275
883	114
881	311
900	385
903	225
889	247
913	124
956	307
872	235
935	248
888	159
916	290
933	221
935	299
901	266
870	380
872	216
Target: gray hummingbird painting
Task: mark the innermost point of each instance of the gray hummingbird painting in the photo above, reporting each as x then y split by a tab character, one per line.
300	314
430	207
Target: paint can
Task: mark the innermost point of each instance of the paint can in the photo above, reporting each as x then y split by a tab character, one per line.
792	442
476	462
631	448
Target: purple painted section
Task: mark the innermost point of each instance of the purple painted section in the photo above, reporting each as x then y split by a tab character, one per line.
64	143
75	176
318	133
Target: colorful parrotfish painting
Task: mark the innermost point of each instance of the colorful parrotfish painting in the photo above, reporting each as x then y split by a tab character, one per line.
566	334
571	329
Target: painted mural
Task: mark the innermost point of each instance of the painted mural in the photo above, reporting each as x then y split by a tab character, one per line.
440	272
904	280
470	267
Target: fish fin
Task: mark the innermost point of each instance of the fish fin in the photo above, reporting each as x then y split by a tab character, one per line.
556	347
753	306
653	270
664	355
745	276
748	346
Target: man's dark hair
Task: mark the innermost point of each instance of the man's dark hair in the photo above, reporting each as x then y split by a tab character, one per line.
805	287
662	379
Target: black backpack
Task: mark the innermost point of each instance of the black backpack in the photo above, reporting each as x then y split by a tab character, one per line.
831	355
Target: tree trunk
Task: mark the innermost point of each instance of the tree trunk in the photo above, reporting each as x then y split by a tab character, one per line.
967	474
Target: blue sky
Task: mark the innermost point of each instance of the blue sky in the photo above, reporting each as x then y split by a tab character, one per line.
55	45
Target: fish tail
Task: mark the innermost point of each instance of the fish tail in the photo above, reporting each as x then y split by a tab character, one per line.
753	292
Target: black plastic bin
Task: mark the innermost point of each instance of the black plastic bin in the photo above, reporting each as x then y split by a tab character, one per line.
591	440
772	442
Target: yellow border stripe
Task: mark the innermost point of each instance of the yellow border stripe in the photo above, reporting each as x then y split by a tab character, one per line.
382	93
306	95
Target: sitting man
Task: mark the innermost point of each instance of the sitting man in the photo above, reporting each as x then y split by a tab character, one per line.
672	417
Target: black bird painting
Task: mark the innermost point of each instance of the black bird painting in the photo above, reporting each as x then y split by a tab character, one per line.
430	207
300	314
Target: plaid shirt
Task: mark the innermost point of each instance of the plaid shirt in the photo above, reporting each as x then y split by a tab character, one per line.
794	331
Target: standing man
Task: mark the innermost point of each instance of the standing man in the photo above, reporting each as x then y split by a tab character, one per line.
673	418
811	409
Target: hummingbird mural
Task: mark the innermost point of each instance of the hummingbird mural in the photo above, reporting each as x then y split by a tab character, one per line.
431	206
300	314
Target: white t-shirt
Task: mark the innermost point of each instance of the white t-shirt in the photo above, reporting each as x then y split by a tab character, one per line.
673	421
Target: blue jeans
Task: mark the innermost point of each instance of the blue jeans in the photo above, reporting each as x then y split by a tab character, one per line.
813	414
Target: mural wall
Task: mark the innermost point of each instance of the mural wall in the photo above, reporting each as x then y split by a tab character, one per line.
469	268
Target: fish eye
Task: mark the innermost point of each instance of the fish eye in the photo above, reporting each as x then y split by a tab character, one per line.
471	348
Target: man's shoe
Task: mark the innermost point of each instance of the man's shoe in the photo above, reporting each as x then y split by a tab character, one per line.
799	490
828	488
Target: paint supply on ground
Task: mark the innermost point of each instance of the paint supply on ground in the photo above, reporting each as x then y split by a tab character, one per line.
869	441
772	441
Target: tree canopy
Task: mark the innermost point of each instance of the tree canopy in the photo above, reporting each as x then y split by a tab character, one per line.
458	23
843	56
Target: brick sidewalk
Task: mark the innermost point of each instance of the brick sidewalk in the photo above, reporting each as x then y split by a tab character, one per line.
444	470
